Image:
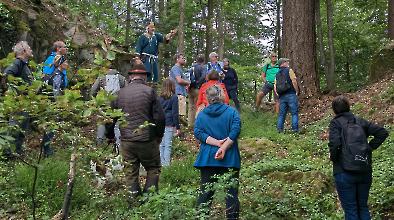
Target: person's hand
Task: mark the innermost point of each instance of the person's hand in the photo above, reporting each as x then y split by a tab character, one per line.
177	132
220	154
220	142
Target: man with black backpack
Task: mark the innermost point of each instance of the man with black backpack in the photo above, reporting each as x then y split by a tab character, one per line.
197	78
351	155
286	88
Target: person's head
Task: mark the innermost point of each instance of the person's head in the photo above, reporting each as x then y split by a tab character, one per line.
284	62
22	50
60	48
150	27
168	89
136	60
273	57
213	57
226	63
215	94
200	59
138	71
213	75
180	59
340	104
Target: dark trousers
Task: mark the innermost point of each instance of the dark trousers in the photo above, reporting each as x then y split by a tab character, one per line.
146	154
234	96
208	178
353	191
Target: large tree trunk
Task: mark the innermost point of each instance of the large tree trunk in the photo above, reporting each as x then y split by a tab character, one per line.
278	28
319	32
299	43
391	19
331	67
208	33
221	31
181	31
127	37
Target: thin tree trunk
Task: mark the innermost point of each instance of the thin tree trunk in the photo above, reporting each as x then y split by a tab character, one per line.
347	65
200	30
64	212
331	49
299	43
208	33
152	4
319	32
181	31
391	19
277	46
221	32
127	37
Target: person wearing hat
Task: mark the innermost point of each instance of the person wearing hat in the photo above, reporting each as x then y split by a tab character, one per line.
214	64
141	137
286	88
148	49
269	72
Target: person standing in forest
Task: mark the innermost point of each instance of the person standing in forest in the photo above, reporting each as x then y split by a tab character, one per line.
214	64
140	139
59	48
177	75
197	76
231	82
269	72
148	49
351	156
286	88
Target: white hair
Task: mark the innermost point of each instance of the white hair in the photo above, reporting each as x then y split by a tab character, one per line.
215	94
20	47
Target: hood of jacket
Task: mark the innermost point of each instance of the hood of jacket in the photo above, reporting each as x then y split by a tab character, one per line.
215	109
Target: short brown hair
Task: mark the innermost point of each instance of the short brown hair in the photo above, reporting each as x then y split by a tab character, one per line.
340	104
168	89
213	75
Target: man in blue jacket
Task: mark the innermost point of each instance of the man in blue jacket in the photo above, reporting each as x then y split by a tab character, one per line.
59	48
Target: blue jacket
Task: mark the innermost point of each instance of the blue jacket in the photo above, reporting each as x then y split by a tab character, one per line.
171	110
218	121
49	68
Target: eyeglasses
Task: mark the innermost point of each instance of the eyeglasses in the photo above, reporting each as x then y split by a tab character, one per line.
274	56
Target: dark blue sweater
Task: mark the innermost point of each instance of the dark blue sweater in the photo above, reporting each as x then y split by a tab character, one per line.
171	111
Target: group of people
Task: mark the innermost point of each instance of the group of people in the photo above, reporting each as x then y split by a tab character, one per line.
215	123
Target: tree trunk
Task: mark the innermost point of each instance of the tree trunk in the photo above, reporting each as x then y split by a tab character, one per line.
391	19
152	4
299	43
319	32
277	44
181	31
331	67
127	37
208	33
221	31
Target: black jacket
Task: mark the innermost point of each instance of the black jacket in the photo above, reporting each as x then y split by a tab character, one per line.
141	104
335	138
20	68
171	111
230	79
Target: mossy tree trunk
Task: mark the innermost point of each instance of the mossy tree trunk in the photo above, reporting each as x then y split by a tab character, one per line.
391	19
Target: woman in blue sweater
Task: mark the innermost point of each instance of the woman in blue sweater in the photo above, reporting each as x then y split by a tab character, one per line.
217	128
169	102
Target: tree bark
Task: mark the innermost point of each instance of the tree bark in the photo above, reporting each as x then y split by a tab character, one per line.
221	32
391	19
331	67
299	43
319	32
208	33
277	44
127	37
181	31
152	4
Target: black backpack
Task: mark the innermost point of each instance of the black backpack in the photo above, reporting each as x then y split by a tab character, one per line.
282	82
355	150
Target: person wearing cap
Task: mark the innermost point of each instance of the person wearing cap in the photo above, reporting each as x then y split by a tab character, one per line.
289	98
217	128
147	48
141	137
59	48
231	82
269	72
177	75
214	64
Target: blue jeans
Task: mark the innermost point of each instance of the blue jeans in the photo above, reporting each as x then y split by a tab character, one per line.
353	191
286	102
165	146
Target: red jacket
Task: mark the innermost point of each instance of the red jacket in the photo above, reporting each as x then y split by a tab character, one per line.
202	98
